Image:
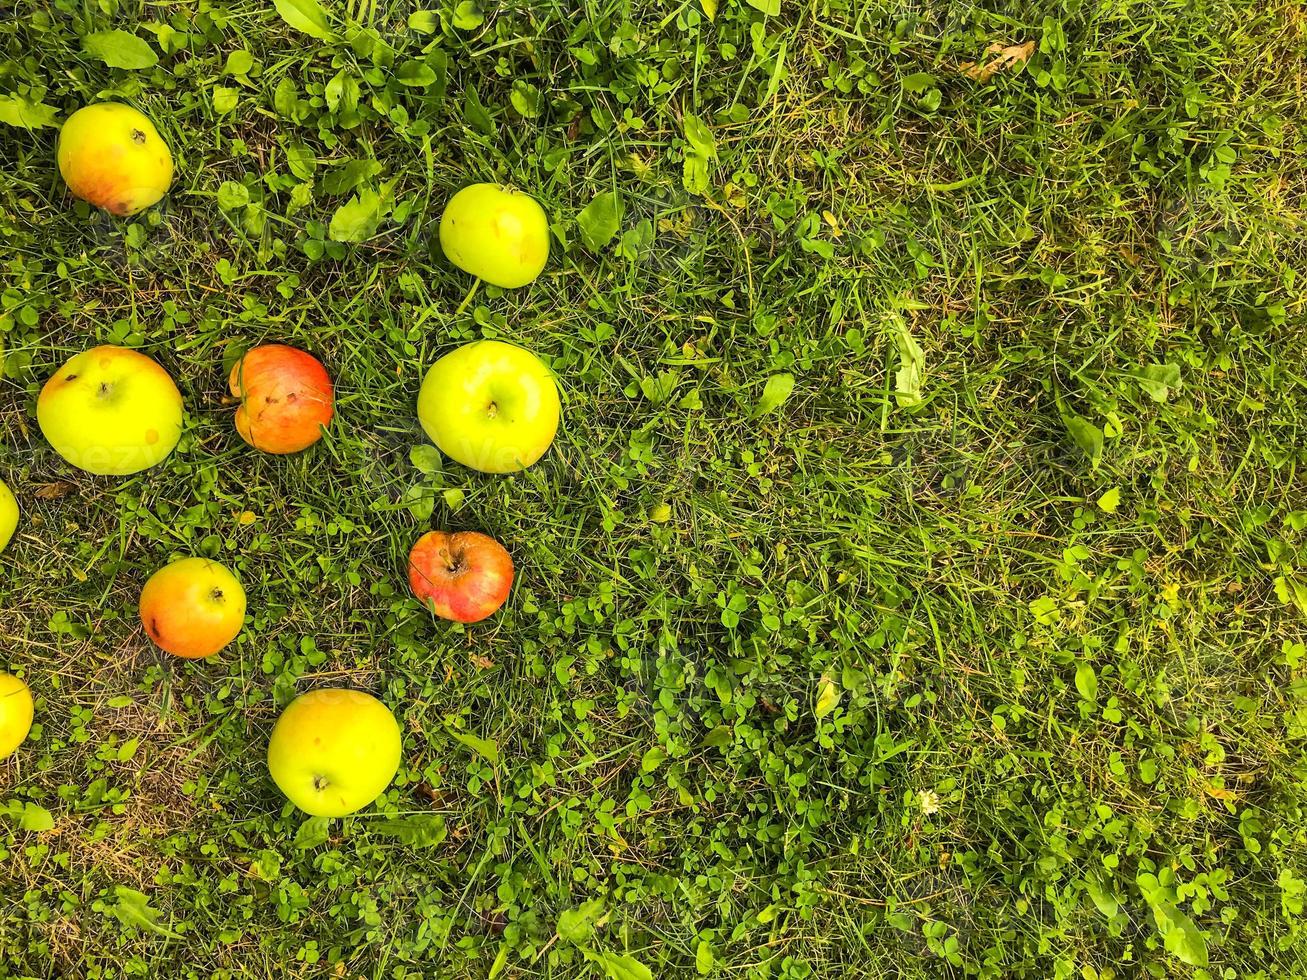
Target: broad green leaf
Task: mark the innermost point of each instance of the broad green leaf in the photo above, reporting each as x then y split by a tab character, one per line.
285	98
774	394
652	759
26	114
301	160
902	921
1088	437
348	176
133	908
600	219
703	958
1102	896
719	736
420	501
1110	500
918	82
1158	380
424	21
312	832
771	8
421	830
1181	937
1045	610
225	99
239	62
699	136
468	16
476	114
357	219
119	49
618	966
912	365
426	458
526	99
577	925
694	176
709	8
35	818
1087	682
487	748
305	15
828	696
415	74
342	93
233	195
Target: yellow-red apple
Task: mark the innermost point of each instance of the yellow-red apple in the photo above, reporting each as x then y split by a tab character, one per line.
464	576
193	607
112	156
286	398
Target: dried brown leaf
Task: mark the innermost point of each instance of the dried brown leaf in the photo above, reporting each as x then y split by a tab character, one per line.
53	491
1006	57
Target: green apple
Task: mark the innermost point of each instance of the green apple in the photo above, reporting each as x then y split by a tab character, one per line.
334	751
496	233
490	405
8	514
111	411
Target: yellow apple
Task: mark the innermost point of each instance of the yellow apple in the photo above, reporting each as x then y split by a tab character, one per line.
8	514
334	751
111	155
490	405
15	714
111	411
495	233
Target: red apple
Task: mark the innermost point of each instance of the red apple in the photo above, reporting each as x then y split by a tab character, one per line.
286	398
464	576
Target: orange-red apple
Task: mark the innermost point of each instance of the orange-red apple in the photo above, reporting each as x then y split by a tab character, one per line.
464	576
286	398
193	607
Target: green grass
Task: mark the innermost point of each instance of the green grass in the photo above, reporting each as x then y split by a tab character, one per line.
876	682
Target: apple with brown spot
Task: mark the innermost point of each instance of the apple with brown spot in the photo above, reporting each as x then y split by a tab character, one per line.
287	400
463	576
193	607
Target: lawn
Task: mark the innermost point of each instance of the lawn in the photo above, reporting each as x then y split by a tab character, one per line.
915	587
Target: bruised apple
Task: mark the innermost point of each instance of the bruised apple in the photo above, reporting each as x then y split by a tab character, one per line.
286	398
464	576
112	156
192	608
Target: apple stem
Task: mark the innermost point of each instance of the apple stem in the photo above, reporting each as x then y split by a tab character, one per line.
476	283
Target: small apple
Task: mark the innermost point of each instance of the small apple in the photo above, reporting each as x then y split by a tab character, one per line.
464	576
111	155
286	398
192	608
334	751
15	714
495	233
8	514
490	405
111	411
